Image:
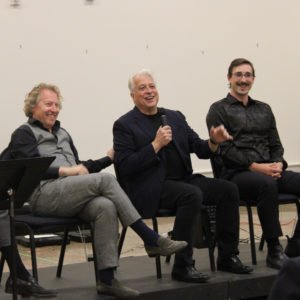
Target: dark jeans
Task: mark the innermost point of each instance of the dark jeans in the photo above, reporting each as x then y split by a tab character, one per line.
263	190
187	197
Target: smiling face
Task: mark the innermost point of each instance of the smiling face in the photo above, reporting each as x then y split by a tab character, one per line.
47	109
145	95
241	81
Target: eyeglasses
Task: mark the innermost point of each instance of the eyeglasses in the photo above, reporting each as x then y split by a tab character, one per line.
240	75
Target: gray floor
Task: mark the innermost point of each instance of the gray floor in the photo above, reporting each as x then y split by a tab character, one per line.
78	281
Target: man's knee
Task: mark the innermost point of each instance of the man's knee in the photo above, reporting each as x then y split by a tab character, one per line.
194	198
107	177
103	207
269	184
227	189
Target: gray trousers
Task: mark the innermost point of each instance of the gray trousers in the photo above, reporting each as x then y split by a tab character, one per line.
96	198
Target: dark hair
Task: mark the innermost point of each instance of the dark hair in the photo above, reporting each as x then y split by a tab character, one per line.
240	61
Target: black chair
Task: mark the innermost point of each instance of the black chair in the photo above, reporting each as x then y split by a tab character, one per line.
18	179
28	224
249	203
205	238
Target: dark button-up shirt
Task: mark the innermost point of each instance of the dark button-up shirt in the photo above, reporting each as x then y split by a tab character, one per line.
255	136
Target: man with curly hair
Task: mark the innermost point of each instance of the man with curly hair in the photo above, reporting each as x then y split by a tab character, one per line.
73	187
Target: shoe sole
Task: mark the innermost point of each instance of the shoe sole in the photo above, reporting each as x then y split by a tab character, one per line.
167	254
26	295
105	292
273	267
203	280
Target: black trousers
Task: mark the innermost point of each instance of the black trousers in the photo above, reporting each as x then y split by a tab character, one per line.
263	189
187	197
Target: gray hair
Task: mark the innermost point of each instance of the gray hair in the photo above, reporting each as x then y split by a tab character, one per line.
33	97
131	85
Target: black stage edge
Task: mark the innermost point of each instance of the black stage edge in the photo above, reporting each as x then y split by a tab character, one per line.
78	281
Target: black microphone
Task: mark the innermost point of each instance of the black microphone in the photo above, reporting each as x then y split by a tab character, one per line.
163	117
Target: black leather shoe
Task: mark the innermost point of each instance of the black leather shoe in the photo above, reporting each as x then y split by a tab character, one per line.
29	288
233	264
275	257
292	248
188	274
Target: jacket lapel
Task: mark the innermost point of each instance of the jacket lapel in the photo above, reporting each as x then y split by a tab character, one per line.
142	122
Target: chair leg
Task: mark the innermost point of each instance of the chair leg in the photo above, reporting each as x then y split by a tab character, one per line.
33	255
168	258
211	250
157	259
251	232
94	254
262	243
210	241
62	252
121	240
2	261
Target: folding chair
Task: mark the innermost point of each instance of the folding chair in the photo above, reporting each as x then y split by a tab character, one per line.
29	224
249	203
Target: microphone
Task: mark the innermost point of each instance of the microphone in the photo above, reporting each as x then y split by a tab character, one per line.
163	117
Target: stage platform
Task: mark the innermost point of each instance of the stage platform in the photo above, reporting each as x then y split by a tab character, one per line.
78	281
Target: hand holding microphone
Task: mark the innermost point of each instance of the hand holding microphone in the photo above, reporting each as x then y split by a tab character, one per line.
163	119
163	135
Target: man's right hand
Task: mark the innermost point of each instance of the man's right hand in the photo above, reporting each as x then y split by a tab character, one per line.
72	171
163	137
270	169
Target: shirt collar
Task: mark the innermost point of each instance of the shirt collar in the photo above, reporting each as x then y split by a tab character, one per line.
36	122
233	100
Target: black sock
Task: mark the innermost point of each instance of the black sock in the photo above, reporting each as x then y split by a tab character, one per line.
22	273
106	275
148	235
272	242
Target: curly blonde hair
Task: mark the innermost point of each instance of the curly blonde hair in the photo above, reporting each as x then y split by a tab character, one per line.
33	97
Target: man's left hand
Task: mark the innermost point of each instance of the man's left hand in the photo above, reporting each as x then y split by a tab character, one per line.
219	134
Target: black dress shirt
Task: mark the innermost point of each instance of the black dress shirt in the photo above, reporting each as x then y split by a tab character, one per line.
253	127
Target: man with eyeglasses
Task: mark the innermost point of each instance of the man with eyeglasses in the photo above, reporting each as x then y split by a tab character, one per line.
254	158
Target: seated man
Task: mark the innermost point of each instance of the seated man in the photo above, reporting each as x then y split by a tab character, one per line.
155	168
26	284
254	158
73	187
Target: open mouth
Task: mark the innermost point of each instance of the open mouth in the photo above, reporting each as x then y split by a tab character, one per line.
149	98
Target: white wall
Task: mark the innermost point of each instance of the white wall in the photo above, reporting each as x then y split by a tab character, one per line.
89	50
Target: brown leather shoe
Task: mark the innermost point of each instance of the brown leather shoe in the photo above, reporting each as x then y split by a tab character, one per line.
117	289
165	247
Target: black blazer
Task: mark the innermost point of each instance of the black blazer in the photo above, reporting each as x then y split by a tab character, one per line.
141	171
